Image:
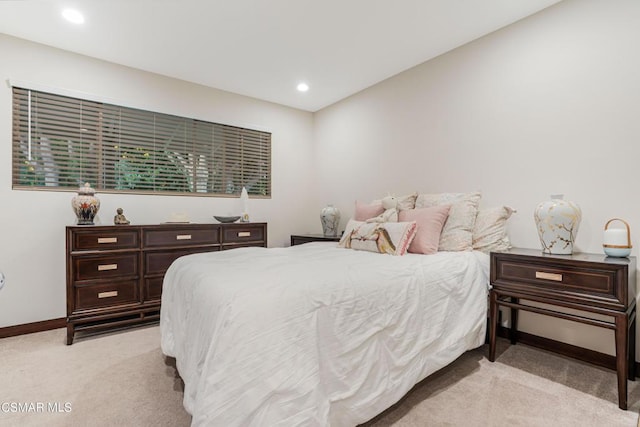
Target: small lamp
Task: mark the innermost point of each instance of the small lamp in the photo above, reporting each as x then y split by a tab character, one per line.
616	242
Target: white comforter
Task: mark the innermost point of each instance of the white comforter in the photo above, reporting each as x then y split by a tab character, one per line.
315	335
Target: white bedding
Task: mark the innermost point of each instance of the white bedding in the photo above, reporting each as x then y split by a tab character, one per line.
315	335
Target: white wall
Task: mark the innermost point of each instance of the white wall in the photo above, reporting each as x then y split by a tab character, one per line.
32	223
548	105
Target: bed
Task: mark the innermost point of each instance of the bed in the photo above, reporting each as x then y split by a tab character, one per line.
315	334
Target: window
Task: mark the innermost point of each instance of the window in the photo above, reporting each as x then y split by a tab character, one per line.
61	142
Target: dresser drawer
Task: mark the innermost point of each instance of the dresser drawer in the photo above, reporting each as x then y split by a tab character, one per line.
153	289
106	294
243	233
104	240
157	262
180	236
105	266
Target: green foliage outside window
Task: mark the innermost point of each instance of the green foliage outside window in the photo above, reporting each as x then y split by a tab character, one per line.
61	143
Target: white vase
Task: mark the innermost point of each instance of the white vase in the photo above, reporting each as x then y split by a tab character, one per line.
330	218
557	221
85	205
244	197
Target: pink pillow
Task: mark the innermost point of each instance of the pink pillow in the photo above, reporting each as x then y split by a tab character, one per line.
430	222
365	212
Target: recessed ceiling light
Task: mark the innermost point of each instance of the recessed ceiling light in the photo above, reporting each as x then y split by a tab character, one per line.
303	87
73	16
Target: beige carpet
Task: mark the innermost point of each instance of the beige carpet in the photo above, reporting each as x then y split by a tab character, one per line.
123	379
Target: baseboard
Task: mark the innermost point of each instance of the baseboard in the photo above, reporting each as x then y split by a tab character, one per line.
569	350
29	328
575	352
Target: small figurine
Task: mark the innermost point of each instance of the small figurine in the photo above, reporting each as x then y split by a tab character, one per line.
120	219
390	214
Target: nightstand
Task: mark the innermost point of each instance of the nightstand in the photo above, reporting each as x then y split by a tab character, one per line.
590	283
298	239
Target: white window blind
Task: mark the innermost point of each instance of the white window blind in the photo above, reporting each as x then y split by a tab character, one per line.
61	142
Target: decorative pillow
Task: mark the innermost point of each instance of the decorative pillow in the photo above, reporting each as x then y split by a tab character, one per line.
429	222
391	238
365	212
457	233
407	202
404	202
490	229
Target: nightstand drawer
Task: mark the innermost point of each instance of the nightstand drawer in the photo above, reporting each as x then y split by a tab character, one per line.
586	279
180	237
106	294
554	277
104	240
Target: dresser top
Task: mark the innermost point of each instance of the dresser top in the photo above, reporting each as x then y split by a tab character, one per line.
163	224
577	256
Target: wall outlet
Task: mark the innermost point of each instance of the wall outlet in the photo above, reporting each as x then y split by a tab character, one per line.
2	280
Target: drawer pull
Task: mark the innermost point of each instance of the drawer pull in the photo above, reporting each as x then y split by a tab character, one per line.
549	276
108	294
183	237
105	267
244	234
107	240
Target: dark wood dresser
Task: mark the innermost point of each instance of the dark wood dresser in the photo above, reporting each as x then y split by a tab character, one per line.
115	273
589	283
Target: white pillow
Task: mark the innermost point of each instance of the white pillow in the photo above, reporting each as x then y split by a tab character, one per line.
457	233
391	238
490	229
404	202
407	202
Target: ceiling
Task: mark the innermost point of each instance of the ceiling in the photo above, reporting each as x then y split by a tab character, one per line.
264	48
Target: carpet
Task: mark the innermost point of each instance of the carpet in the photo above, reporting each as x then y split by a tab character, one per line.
122	378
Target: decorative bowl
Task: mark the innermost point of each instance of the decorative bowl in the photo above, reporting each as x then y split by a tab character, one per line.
226	219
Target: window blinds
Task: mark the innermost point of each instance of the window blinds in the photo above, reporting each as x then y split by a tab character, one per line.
60	142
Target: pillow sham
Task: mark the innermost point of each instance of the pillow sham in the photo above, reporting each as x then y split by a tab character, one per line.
490	229
457	233
429	223
367	211
391	238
